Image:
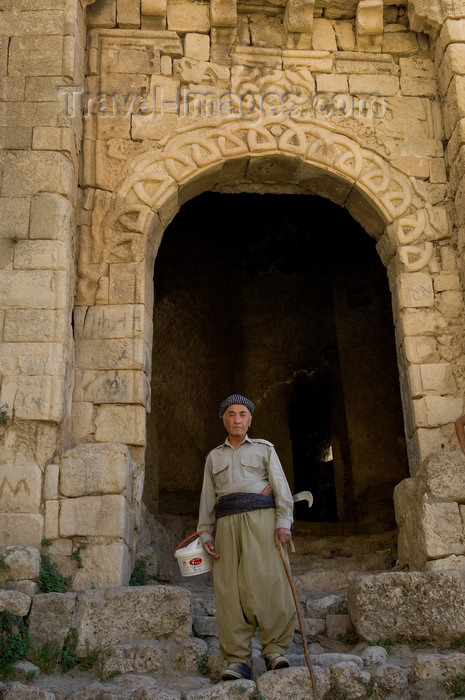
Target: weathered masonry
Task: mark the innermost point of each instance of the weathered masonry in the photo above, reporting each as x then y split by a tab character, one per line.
207	196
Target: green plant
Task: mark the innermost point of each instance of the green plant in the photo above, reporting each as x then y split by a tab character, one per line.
4	417
459	642
50	579
46	657
30	676
335	692
68	658
76	555
389	643
256	696
203	666
3	564
139	576
89	661
113	674
375	689
455	686
15	641
349	638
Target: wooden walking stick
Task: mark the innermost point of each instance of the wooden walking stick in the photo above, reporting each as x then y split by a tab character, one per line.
299	616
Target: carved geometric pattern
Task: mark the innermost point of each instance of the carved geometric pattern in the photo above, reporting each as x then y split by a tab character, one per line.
192	151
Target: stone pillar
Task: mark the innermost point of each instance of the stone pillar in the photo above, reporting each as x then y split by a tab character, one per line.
42	49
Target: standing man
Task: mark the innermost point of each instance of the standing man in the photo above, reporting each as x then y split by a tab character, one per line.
246	493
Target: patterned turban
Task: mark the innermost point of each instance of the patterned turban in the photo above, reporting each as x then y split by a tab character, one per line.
236	398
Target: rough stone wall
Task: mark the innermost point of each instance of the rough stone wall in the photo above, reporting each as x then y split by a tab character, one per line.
397	168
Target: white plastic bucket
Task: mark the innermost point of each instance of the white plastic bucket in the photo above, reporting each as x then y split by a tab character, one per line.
193	559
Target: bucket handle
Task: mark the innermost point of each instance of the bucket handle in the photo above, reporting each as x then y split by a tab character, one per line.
186	539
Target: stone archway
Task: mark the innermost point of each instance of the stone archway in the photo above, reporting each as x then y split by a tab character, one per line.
117	259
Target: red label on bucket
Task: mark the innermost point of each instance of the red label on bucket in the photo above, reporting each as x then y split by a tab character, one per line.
195	562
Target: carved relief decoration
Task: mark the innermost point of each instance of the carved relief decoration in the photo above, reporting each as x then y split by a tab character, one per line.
156	176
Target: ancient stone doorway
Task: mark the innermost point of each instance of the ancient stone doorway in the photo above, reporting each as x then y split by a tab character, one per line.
282	297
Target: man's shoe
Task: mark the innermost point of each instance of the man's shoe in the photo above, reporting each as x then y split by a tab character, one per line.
275	661
235	671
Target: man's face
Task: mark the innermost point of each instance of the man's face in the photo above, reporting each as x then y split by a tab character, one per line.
237	419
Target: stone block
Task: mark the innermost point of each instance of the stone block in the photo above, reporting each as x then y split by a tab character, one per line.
26	173
50	617
197	46
52	514
454	562
82	420
442	528
416	322
405	44
266	31
36	55
418	605
385	85
419	349
332	83
39	398
432	411
95	516
52	472
16	137
107	617
31	358
20	489
51	217
443	475
21	529
26	442
453	63
323	35
104	566
107	354
31	325
102	14
22	563
14	214
337	626
127	14
16	602
120	423
454	104
127	283
415	289
188	17
435	378
41	255
89	470
119	321
421	444
446	282
120	386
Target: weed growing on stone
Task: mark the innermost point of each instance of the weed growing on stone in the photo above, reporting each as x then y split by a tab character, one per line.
76	555
50	579
389	643
3	564
459	643
349	638
30	676
139	576
336	692
68	659
455	686
15	641
4	417
46	657
89	661
113	674
375	690
203	667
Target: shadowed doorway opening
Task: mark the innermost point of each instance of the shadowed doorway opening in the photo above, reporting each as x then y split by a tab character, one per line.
282	298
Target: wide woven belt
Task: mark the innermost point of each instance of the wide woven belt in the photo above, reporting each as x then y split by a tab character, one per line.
234	503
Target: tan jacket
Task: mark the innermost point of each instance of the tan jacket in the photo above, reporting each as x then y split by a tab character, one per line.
249	468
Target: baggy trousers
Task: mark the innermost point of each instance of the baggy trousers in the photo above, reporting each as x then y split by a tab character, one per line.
251	586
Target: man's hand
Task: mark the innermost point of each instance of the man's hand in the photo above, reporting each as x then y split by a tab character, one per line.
209	547
281	534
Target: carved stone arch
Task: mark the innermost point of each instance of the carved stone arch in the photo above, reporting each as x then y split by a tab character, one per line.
191	160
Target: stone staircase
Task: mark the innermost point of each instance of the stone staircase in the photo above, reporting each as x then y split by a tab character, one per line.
159	642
